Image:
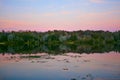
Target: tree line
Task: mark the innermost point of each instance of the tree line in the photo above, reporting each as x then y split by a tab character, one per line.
59	41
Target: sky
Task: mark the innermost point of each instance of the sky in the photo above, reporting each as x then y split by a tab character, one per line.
70	15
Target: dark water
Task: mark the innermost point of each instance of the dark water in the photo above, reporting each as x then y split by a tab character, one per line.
68	66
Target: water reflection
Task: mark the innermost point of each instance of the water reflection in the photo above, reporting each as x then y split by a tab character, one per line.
68	66
58	49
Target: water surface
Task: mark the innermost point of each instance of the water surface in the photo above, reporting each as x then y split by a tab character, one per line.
68	66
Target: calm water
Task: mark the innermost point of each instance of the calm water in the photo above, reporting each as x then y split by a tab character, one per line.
68	66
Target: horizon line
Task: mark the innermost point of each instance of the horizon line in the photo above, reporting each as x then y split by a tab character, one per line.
56	30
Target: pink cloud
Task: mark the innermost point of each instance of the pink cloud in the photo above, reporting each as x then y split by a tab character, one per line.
65	20
97	1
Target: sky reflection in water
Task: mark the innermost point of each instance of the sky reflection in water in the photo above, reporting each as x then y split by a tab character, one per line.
69	66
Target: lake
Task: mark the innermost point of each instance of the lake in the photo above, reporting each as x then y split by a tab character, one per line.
67	66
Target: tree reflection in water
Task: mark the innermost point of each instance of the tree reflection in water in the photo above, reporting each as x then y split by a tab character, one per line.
58	49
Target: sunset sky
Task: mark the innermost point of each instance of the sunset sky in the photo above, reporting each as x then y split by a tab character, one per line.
44	15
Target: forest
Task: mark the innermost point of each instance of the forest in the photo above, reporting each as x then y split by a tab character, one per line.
56	42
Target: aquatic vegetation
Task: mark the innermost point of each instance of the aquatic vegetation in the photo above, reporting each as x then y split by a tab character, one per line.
65	69
30	56
73	79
